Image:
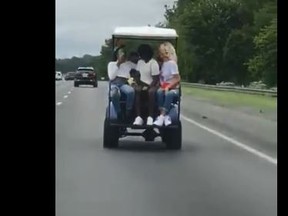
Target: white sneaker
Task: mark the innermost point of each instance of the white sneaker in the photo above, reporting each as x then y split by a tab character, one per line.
159	121
138	121
149	121
167	120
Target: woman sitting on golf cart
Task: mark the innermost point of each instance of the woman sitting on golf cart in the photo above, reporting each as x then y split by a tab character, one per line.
169	83
119	73
149	82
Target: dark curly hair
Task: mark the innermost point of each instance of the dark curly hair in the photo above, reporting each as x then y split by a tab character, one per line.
145	52
133	56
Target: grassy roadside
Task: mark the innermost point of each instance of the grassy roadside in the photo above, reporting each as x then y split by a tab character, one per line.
233	99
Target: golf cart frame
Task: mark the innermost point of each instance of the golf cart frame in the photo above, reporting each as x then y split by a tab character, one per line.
114	130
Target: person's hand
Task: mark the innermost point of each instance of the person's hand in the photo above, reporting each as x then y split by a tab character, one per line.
121	59
131	81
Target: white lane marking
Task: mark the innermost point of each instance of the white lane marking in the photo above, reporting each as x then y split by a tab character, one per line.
65	96
233	141
58	103
69	92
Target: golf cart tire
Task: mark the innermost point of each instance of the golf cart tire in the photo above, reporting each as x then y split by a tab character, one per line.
76	84
110	135
172	137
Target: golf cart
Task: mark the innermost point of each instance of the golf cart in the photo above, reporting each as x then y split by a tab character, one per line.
114	129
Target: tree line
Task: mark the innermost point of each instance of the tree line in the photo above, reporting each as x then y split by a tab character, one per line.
219	40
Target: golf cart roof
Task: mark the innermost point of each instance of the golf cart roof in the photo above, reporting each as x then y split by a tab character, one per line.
145	32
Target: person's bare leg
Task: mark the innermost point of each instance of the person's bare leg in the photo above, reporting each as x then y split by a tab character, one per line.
138	100
138	119
151	100
151	104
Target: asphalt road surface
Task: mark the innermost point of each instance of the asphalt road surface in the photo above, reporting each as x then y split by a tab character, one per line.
225	168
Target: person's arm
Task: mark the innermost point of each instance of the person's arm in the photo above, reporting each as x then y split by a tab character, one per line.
112	70
121	60
174	81
155	81
155	73
176	76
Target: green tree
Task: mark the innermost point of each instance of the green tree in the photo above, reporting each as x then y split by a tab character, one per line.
220	40
206	26
238	49
264	63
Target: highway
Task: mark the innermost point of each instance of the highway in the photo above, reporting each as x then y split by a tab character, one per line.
227	166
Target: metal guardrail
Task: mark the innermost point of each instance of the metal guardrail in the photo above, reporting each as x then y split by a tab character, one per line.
232	89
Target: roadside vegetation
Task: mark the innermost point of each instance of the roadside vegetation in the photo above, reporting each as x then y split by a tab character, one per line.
220	40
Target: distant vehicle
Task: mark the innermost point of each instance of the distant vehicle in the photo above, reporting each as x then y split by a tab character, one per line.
70	76
85	76
58	75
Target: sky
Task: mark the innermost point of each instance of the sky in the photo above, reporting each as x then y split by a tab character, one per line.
83	25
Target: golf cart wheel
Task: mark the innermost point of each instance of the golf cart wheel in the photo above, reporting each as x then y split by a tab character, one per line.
76	84
111	135
173	137
149	135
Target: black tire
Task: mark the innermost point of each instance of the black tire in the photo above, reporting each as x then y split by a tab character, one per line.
110	135
96	85
76	84
149	135
164	137
173	137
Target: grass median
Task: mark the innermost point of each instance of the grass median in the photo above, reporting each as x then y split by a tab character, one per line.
233	99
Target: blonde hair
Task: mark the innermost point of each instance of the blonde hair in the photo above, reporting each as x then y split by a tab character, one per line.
168	50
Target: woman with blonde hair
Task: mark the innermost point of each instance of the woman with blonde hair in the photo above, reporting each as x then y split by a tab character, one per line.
169	82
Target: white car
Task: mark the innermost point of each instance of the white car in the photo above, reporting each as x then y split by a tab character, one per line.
58	75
